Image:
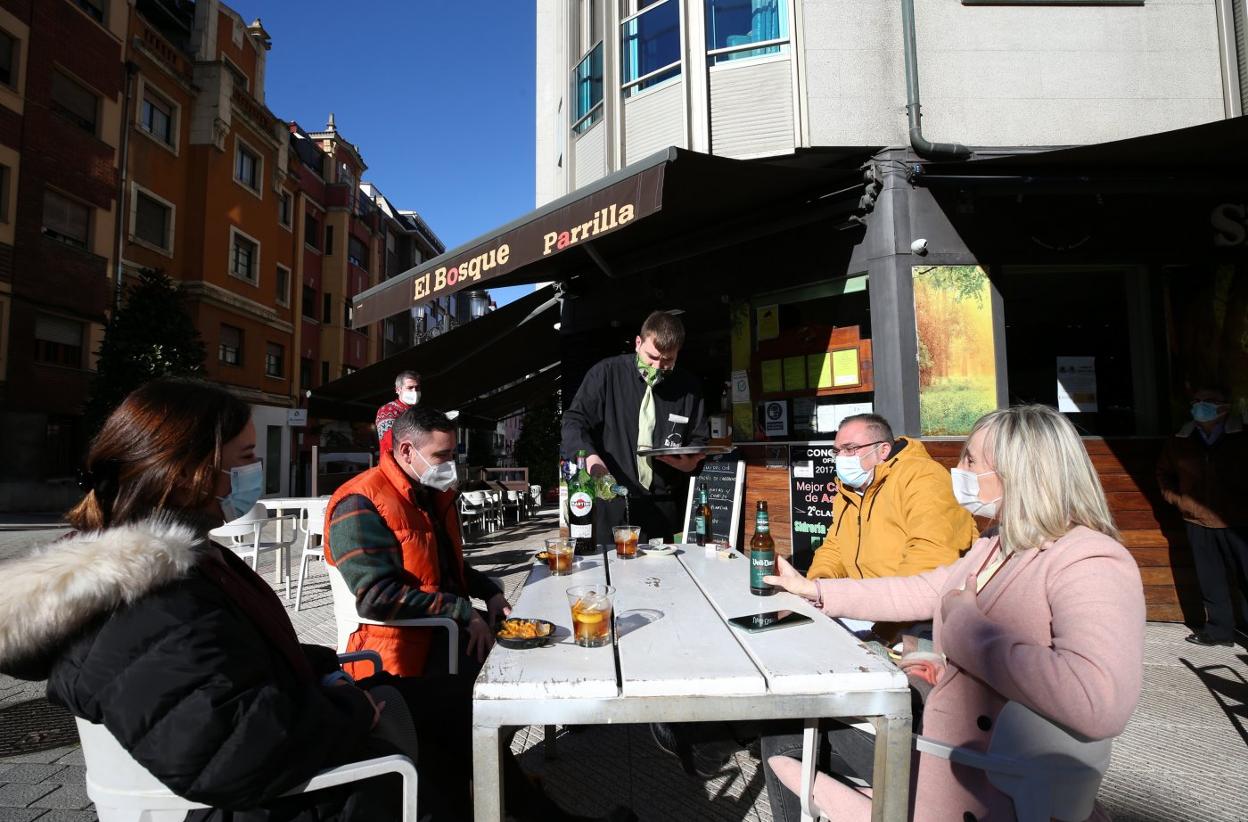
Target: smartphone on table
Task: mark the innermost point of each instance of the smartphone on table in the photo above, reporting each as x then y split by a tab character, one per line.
767	620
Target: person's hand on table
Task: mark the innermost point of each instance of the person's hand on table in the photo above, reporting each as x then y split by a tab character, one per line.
480	637
791	580
687	463
498	608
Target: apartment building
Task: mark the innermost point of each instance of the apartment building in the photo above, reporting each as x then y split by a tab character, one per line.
60	132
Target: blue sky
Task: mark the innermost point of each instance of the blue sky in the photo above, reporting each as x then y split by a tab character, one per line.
437	94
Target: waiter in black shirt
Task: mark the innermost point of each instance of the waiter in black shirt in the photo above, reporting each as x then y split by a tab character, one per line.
639	398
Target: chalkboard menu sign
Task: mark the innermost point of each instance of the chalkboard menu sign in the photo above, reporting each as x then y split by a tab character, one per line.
724	476
811	473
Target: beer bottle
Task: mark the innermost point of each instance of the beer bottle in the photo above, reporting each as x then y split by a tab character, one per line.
702	517
581	507
762	553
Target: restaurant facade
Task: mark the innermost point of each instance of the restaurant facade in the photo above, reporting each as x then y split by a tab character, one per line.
821	274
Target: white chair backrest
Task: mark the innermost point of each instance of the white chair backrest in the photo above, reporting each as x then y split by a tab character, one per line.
1074	767
475	497
257	512
119	785
346	616
316	518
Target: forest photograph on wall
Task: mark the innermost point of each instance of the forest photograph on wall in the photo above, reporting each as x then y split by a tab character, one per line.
957	355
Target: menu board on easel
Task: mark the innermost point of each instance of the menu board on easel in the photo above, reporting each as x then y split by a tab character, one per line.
724	476
811	473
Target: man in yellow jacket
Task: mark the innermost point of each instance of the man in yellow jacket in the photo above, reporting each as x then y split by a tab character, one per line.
895	514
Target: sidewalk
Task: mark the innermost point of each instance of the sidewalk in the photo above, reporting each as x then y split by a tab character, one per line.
1184	756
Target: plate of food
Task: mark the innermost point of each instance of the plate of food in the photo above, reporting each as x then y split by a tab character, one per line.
516	632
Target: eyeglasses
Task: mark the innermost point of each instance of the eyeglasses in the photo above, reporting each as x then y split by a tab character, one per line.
851	450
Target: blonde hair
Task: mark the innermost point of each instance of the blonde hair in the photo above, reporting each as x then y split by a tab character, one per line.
1048	483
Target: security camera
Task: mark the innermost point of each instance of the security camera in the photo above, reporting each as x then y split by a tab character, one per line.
919	247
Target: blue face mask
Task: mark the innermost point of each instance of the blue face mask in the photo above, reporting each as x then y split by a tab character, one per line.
246	487
851	472
1204	411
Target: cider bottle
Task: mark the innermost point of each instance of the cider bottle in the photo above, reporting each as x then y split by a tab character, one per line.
762	553
702	517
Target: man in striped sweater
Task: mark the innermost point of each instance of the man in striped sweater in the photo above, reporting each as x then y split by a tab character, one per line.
393	532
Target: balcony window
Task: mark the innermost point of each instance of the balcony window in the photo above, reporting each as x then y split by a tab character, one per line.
327	314
8	59
734	26
247	167
311	231
357	253
74	102
152	221
329	240
230	347
285	209
309	302
58	341
66	220
282	282
587	91
244	257
274	360
650	45
156	116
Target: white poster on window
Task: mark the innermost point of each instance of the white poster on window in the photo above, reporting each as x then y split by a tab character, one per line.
1076	384
828	417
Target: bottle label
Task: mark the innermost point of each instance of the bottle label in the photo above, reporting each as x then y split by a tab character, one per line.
582	532
699	525
580	504
762	563
761	524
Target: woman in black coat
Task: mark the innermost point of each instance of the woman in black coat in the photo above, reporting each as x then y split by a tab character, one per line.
142	624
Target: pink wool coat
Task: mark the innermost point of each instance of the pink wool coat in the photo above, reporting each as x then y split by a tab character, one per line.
1059	629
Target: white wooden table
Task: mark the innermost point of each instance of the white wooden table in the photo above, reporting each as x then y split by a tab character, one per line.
280	505
676	660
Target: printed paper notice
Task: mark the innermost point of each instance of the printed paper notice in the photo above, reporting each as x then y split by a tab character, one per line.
819	370
845	367
794	373
740	386
1076	384
768	322
773	377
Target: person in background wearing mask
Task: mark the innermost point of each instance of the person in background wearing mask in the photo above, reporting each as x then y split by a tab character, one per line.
407	391
393	532
640	398
895	513
1203	471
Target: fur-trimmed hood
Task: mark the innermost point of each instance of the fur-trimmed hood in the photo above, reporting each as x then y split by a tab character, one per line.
57	589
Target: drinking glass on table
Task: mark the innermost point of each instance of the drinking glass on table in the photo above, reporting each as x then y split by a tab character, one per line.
591	614
559	556
626	537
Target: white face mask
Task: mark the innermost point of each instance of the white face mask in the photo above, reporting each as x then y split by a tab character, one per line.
438	477
966	492
410	397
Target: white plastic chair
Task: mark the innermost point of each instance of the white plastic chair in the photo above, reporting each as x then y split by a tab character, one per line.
313	518
481	500
511	501
535	497
1048	771
472	509
125	791
246	538
494	504
348	619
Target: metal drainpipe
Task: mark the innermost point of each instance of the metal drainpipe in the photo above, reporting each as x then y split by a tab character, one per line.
922	146
131	69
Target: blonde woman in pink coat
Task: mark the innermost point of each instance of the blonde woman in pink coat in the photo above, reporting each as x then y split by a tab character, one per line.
1046	609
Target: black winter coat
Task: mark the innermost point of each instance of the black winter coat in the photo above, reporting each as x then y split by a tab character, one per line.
131	632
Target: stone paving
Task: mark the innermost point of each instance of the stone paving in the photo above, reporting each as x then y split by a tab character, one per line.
1183	757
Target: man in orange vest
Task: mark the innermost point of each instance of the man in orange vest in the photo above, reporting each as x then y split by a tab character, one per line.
393	532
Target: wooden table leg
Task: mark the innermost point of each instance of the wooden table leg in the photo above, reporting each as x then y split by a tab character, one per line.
891	780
